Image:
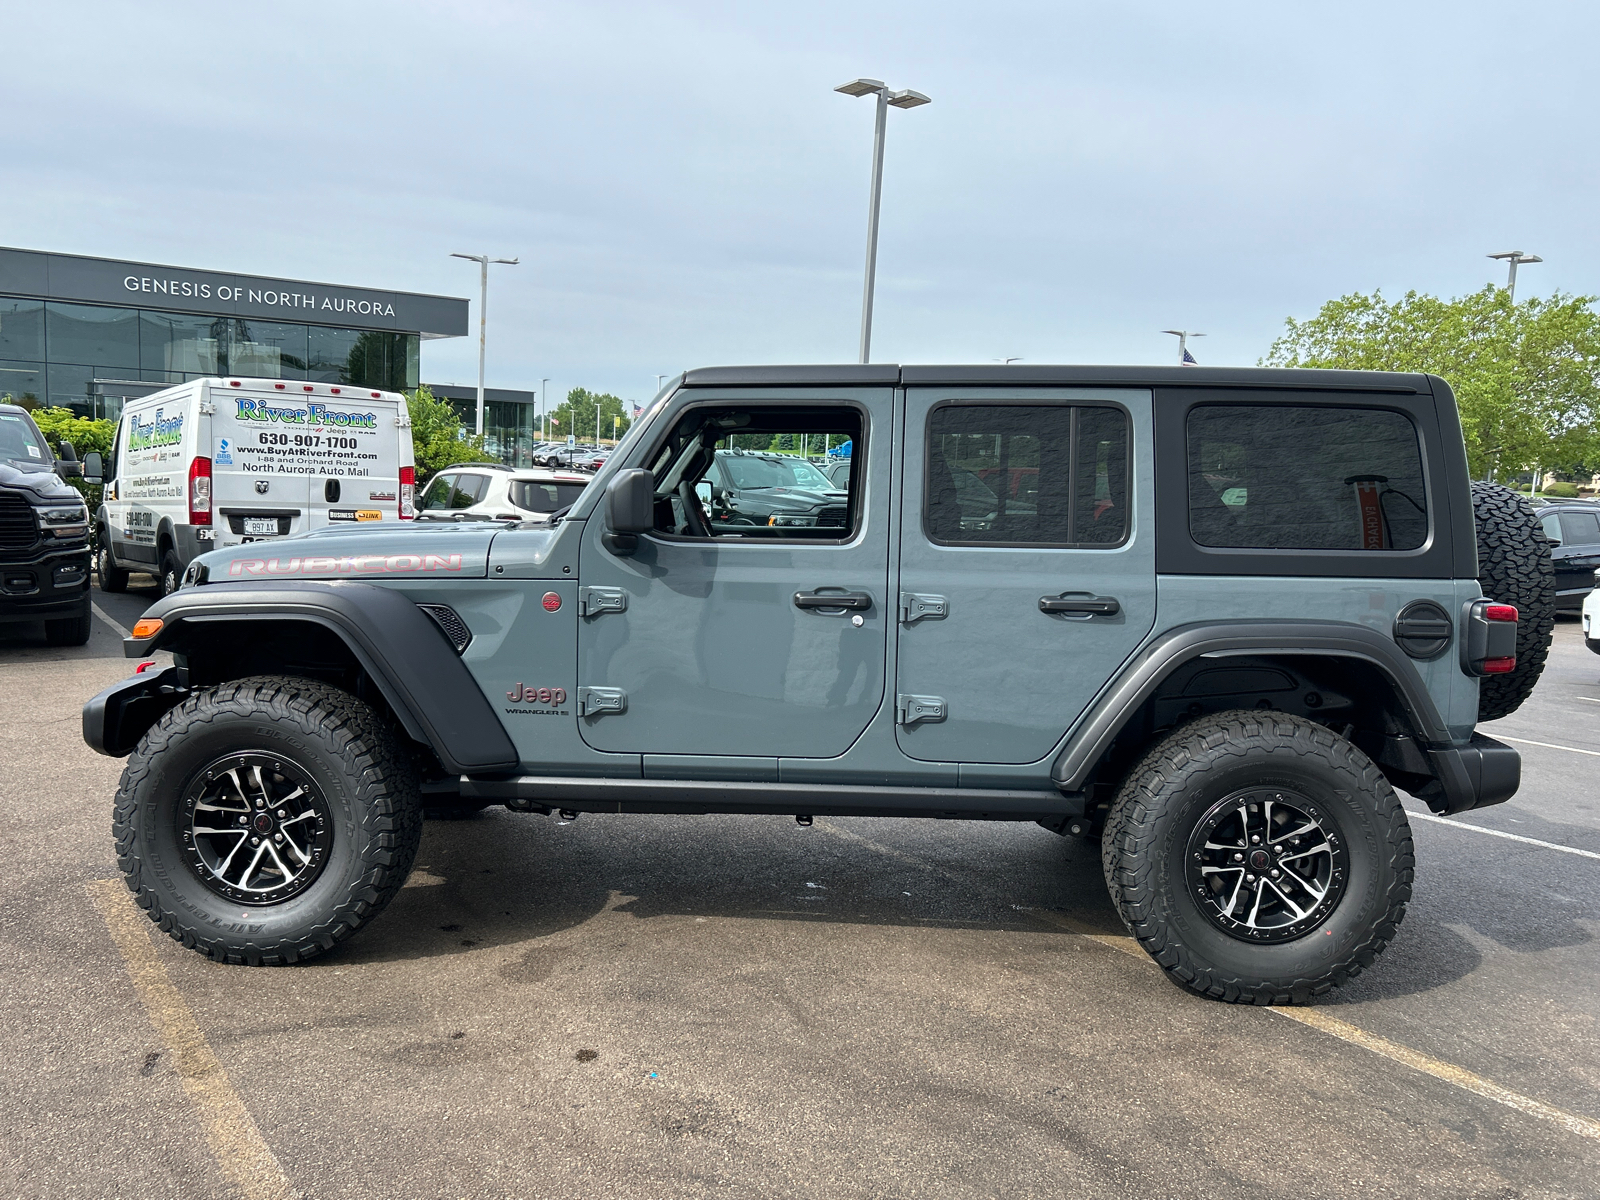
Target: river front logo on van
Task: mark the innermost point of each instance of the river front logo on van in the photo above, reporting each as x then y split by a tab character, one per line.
312	414
157	431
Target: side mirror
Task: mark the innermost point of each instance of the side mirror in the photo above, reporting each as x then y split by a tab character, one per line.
93	467
66	465
630	509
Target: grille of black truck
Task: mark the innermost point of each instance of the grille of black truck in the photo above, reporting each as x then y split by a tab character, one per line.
18	529
832	517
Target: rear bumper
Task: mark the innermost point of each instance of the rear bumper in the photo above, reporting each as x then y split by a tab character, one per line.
1481	773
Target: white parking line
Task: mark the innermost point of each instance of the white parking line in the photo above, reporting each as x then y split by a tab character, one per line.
1506	737
1510	837
107	618
1590	699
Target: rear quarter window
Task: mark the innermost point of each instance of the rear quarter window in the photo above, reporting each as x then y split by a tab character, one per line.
1304	477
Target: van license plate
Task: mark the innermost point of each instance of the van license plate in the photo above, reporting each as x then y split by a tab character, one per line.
260	525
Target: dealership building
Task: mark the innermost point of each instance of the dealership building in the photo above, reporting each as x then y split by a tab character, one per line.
90	333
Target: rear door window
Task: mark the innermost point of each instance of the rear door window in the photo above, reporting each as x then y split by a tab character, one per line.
1580	528
533	495
1027	475
1305	477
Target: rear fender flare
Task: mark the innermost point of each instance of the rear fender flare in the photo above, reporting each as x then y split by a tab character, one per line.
1139	680
402	650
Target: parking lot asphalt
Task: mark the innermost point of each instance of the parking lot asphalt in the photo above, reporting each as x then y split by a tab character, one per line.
737	1006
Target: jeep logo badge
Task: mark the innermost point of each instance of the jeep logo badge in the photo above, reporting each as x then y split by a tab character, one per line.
261	487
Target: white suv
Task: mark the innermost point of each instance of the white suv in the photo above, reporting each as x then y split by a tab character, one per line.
491	492
1591	616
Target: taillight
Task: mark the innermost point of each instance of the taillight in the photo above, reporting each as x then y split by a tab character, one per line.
1489	641
408	493
200	491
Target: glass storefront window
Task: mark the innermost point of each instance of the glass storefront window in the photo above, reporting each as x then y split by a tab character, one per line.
21	329
21	380
72	386
90	333
329	357
183	345
268	350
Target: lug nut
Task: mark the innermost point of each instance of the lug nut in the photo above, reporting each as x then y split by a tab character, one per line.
280	813
1274	872
242	820
1238	857
278	837
255	841
1249	878
1254	838
261	803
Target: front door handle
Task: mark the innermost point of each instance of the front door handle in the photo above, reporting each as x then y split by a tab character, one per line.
848	600
1087	606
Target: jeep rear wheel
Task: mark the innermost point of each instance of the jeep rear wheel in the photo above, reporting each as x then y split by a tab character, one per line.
265	820
1258	857
1514	568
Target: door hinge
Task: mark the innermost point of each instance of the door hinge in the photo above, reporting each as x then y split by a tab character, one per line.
593	701
208	408
911	709
914	607
592	601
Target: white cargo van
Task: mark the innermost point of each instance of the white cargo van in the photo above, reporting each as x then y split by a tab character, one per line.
217	462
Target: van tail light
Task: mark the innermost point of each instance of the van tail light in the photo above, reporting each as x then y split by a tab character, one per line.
408	493
200	491
1489	638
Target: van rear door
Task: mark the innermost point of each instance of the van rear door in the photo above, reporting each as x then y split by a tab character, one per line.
260	481
358	472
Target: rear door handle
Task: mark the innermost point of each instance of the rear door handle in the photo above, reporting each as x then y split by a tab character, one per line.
1088	606
849	600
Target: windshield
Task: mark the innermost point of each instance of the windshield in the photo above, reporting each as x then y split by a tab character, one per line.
20	442
748	471
531	495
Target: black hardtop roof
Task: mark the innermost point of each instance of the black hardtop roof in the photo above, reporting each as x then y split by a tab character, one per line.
1035	375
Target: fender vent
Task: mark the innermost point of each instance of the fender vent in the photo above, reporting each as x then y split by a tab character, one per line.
453	627
1423	629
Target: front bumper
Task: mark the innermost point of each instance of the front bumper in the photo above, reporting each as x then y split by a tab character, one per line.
53	583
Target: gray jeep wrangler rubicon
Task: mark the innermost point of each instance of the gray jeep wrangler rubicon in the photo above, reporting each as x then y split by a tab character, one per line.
1210	617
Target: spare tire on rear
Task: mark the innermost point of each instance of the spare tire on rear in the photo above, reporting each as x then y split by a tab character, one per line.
1514	568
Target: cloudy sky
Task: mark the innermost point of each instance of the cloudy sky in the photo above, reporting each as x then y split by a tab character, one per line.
684	187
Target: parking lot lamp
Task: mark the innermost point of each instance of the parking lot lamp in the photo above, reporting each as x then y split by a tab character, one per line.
544	407
1513	258
900	99
483	261
1183	336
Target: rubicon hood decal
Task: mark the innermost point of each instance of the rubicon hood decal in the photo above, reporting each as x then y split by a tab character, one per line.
349	564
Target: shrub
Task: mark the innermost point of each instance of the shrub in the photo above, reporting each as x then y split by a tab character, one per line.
1561	491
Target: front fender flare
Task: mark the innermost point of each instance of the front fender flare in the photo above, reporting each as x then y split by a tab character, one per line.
399	646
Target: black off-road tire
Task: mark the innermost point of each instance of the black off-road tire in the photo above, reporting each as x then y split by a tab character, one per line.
367	782
1514	568
1145	851
111	577
69	631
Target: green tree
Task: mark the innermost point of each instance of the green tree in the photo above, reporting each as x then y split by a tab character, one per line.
439	437
1524	375
576	416
86	434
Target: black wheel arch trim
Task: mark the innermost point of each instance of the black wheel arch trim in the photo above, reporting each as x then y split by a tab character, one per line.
1481	773
400	647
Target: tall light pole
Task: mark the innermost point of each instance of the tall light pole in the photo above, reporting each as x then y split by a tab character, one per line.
483	261
1183	336
1513	258
659	378
544	424
901	99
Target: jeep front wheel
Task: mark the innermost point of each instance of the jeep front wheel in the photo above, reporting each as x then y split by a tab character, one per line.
264	820
1258	858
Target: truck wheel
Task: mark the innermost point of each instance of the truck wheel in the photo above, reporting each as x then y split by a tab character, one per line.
111	577
171	574
69	631
1258	858
264	820
1514	568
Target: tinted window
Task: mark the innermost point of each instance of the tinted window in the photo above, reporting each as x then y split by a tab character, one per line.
469	490
20	442
1027	474
532	495
1551	524
1302	477
1580	529
438	493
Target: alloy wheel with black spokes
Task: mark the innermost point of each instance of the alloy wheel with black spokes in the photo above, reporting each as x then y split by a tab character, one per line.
256	827
264	820
1258	857
1267	864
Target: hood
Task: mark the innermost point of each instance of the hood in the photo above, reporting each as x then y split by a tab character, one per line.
44	483
386	550
793	497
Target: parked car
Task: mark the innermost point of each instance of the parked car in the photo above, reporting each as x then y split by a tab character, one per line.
491	492
44	531
1224	693
1574	528
1591	617
749	487
563	455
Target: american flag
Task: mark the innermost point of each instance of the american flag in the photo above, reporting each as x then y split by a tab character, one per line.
1188	359
636	411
